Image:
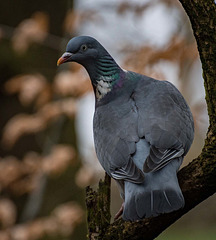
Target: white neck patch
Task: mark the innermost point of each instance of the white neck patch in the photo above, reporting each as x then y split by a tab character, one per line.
102	88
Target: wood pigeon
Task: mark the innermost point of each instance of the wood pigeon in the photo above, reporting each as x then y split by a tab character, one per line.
143	128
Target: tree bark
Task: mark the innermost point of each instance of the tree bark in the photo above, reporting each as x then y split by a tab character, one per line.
98	209
197	180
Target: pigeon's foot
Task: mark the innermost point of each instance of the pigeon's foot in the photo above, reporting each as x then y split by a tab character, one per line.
119	213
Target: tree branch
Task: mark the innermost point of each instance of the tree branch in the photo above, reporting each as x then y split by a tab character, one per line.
98	209
197	180
202	15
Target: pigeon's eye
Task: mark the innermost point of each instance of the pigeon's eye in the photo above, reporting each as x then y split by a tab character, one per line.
84	47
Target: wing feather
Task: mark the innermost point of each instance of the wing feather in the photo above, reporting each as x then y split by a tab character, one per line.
159	158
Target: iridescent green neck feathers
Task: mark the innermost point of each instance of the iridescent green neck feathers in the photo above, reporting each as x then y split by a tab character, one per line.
107	74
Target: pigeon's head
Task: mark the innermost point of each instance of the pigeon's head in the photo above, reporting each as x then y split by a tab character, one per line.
84	50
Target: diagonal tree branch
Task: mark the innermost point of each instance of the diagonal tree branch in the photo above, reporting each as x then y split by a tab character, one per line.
202	15
197	180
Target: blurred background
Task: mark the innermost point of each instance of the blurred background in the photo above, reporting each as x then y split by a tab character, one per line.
47	153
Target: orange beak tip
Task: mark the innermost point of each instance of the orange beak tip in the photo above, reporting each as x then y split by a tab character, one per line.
60	61
64	58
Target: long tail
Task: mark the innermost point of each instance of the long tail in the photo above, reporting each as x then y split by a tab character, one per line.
159	193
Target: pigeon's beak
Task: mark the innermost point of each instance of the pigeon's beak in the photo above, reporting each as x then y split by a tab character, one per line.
64	58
